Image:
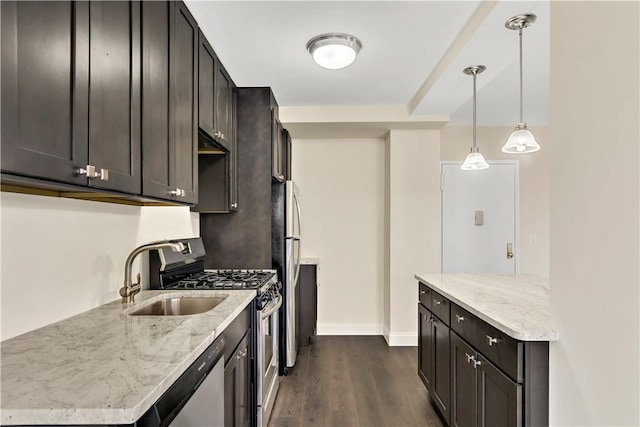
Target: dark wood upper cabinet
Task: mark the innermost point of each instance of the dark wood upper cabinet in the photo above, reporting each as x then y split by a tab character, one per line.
45	84
114	95
184	64
71	93
169	102
215	115
218	136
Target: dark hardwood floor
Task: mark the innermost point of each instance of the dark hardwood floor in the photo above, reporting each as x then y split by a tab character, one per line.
347	381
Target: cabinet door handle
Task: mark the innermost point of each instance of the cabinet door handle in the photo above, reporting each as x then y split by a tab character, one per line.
469	357
491	340
459	318
103	175
436	302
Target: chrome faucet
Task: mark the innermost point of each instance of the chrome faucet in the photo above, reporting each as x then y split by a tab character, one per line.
129	290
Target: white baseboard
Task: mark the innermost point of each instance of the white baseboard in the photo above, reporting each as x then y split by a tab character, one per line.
349	329
402	339
385	334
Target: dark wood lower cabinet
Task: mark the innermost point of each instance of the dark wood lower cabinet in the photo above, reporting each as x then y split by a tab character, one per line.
463	384
489	379
237	386
499	399
441	377
425	349
433	358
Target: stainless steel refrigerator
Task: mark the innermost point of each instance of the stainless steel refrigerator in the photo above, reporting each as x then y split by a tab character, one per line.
291	269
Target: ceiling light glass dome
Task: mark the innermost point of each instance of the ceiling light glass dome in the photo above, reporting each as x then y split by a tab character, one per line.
334	50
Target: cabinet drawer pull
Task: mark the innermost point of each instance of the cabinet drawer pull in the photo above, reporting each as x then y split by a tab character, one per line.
491	340
459	318
436	302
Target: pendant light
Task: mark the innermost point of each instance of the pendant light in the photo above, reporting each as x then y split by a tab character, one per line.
474	160
521	140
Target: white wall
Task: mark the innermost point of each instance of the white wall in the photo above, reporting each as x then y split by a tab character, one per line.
534	185
341	184
595	197
413	186
61	257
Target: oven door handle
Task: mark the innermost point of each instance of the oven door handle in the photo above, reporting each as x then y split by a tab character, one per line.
270	311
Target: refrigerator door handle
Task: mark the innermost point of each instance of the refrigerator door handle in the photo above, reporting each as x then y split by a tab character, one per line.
297	203
295	278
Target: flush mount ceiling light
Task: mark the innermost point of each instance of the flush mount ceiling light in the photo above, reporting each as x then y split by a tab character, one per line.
475	160
521	140
334	50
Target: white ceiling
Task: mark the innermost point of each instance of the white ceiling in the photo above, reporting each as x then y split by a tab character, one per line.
263	43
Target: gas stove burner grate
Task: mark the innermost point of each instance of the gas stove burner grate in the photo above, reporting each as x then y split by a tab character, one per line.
224	279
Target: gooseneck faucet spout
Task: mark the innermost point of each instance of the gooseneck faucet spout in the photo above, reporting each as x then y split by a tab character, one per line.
129	289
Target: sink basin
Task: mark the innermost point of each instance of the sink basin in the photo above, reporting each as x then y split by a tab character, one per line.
178	306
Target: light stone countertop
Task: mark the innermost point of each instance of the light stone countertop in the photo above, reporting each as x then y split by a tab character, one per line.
104	367
516	305
310	261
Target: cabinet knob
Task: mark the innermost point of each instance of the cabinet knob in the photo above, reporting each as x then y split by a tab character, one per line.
234	205
469	357
89	171
423	292
476	363
178	192
436	302
491	340
459	318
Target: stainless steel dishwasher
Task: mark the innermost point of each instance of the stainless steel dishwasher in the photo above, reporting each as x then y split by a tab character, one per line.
196	399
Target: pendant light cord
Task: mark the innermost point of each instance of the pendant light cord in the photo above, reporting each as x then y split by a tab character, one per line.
474	108
521	102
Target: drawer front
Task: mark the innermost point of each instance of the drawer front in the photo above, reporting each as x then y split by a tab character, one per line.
440	306
505	352
424	295
465	324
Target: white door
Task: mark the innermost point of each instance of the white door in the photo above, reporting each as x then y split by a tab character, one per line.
479	219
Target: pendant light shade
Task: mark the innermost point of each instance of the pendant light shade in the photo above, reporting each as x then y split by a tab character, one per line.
521	140
334	50
475	160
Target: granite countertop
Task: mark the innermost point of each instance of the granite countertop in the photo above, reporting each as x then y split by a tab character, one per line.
104	367
516	305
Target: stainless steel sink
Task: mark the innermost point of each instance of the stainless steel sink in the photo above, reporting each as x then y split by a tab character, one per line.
178	306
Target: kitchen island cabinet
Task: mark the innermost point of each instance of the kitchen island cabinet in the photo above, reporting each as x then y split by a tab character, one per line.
128	361
499	332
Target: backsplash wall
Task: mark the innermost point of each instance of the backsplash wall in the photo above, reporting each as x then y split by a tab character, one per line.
60	257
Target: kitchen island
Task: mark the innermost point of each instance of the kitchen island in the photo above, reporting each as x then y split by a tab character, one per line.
483	350
104	366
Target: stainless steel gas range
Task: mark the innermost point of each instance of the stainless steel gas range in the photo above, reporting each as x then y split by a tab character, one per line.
171	270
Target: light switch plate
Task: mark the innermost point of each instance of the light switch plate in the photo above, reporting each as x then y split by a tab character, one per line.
479	218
